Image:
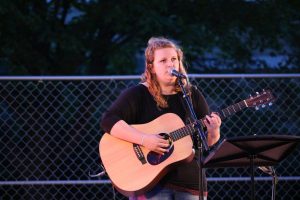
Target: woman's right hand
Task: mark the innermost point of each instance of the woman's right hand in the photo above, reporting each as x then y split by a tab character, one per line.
155	143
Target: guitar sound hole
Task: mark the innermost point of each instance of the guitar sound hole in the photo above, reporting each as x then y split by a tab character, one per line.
154	158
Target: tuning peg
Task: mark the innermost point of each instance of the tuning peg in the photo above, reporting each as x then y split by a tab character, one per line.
256	108
263	105
250	96
270	104
257	93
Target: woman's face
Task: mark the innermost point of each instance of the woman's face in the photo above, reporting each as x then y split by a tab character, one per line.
164	60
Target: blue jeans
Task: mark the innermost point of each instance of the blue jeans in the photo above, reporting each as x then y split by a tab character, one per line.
160	193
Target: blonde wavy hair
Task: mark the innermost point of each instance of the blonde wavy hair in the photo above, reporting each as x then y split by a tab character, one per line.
155	43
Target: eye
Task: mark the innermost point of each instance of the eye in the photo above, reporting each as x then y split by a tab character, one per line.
174	59
163	61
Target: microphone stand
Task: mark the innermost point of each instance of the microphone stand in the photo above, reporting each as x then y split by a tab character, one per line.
200	137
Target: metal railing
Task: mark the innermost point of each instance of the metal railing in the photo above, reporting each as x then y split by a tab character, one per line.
50	133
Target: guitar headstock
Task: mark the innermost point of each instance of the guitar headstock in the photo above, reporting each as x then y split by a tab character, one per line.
260	99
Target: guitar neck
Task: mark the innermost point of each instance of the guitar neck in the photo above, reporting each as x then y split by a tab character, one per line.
182	132
190	129
232	109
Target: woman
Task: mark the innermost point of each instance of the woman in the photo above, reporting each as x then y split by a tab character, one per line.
158	94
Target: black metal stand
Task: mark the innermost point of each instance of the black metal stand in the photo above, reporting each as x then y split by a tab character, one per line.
201	139
266	150
271	171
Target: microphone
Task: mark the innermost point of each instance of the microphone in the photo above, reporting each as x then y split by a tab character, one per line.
174	72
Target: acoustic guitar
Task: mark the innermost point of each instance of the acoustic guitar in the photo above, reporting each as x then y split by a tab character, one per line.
134	169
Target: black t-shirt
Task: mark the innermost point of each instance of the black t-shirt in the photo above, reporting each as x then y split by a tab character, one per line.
136	105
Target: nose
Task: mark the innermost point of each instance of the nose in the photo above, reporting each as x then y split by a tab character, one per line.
170	63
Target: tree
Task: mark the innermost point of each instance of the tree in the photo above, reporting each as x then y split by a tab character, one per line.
103	37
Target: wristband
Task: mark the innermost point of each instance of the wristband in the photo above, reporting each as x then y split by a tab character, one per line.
143	137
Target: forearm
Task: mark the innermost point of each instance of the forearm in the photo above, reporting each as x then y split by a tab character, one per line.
213	136
152	142
124	131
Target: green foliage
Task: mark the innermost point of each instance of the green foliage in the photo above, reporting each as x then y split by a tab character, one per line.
72	37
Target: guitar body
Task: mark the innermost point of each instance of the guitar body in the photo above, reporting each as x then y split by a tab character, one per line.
128	174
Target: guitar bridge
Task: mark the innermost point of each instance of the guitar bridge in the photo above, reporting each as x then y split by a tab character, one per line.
139	153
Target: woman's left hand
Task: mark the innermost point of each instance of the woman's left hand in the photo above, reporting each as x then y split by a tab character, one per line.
212	122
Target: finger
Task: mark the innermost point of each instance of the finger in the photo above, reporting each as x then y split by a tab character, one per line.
218	117
160	137
163	150
163	141
210	124
207	119
207	124
164	144
159	152
215	114
215	118
164	137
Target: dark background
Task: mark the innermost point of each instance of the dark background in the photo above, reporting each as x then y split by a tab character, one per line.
86	37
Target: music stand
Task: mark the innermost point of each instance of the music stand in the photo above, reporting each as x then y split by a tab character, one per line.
263	150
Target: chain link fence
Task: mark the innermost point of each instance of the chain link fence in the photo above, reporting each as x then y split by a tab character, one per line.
49	130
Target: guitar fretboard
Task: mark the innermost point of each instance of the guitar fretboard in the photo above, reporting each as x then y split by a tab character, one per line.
189	129
232	109
182	132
